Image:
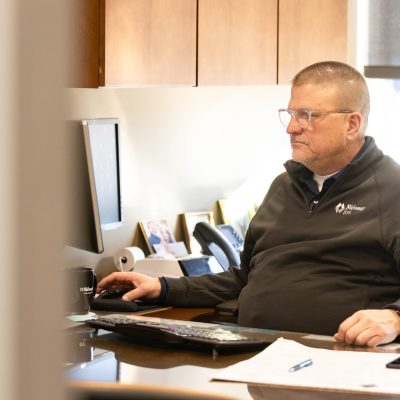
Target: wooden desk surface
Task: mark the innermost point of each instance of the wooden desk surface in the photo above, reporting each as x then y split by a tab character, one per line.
125	365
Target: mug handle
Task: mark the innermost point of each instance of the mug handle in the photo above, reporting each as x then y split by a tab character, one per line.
94	288
94	283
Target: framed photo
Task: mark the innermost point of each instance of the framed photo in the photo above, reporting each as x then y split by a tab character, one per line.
156	232
160	239
189	222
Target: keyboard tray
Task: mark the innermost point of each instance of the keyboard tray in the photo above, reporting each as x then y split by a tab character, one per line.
203	336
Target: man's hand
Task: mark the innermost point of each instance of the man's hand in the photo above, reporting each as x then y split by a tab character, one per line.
369	328
142	286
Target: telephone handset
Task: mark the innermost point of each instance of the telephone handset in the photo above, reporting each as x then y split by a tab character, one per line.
214	243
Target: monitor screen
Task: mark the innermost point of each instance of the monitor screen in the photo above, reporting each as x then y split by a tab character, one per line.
200	266
93	182
102	150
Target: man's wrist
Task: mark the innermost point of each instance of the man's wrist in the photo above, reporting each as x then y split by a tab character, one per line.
396	311
164	291
393	307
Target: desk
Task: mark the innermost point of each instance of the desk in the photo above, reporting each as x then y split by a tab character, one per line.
122	364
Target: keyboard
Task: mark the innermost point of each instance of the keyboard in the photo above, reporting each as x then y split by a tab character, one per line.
199	335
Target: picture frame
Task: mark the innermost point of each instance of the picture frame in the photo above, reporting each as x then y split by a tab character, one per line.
160	240
155	232
189	221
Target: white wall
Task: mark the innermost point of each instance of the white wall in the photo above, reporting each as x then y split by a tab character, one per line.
185	148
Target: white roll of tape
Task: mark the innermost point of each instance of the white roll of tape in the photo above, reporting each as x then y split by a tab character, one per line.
125	259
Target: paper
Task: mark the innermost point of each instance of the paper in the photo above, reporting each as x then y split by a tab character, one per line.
341	370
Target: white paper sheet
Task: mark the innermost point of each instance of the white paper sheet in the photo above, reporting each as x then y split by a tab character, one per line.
340	370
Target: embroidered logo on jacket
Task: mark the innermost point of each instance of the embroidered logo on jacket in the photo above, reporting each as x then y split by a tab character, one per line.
346	209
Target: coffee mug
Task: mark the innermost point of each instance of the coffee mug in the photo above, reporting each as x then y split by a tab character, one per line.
81	283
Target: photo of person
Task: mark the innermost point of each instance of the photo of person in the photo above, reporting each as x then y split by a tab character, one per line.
160	239
157	232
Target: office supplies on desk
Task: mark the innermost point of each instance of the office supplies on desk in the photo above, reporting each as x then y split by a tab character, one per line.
214	243
201	336
232	235
81	285
126	258
356	371
303	364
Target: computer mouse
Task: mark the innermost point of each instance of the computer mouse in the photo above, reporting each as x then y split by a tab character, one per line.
109	294
110	300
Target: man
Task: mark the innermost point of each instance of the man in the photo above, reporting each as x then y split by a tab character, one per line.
154	237
322	254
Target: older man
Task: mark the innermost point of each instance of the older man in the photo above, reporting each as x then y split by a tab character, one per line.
322	254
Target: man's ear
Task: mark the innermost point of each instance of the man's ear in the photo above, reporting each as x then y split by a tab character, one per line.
354	121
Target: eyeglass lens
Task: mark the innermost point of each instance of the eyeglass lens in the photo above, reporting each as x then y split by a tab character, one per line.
302	117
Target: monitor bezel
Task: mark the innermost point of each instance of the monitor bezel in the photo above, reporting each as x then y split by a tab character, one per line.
99	226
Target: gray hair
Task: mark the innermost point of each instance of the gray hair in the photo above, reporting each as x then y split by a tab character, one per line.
353	89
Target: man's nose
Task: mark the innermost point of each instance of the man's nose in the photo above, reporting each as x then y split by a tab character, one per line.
294	128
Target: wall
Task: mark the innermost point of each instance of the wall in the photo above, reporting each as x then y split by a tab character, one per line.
183	149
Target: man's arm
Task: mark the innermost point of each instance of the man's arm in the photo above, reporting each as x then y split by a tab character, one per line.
206	290
198	291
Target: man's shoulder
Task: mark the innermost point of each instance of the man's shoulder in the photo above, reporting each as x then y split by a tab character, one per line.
278	180
388	168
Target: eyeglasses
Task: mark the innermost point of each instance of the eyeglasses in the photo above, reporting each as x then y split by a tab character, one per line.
303	117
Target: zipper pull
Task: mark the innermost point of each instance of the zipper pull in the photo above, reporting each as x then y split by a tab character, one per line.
312	206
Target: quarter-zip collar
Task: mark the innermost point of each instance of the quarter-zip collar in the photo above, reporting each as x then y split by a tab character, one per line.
368	155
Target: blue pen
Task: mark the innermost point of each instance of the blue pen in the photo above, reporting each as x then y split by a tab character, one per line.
301	365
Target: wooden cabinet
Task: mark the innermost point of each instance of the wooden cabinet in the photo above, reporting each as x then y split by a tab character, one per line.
310	31
82	43
202	42
148	42
254	42
237	42
132	43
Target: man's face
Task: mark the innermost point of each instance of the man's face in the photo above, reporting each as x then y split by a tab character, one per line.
323	146
153	228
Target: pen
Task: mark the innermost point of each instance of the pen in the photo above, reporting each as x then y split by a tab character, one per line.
301	365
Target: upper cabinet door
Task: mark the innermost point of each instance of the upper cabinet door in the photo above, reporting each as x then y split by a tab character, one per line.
310	31
237	42
147	42
82	43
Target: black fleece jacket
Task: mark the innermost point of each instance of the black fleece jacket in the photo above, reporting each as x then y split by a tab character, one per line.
306	269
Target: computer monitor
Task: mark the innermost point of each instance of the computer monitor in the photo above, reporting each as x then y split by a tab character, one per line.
102	152
95	198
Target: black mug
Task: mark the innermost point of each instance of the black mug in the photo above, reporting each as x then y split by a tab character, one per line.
81	283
